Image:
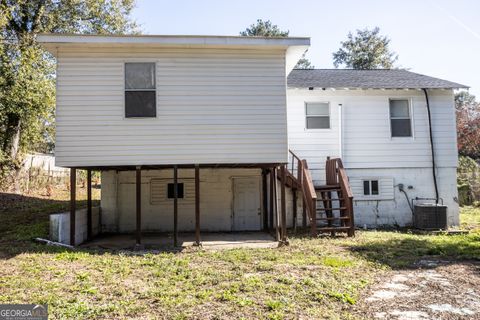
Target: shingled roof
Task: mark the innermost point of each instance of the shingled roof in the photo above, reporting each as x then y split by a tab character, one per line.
366	79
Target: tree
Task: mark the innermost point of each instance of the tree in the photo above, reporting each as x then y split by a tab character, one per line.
264	29
268	29
468	124
27	80
465	101
366	50
304	63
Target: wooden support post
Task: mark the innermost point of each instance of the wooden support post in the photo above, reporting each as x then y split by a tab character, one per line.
73	203
283	203
294	204
264	199
351	232
328	212
89	204
313	222
304	214
197	205
272	203
275	206
138	188
175	206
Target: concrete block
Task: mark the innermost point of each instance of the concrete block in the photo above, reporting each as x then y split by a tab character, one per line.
60	225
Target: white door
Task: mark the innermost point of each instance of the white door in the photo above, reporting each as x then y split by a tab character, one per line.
247	214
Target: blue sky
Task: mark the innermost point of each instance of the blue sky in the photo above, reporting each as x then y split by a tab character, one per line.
439	38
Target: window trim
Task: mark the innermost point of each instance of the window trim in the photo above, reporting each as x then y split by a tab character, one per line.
411	114
329	115
154	62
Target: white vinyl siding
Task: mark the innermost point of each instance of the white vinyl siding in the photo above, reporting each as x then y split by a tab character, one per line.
365	138
313	145
385	188
213	106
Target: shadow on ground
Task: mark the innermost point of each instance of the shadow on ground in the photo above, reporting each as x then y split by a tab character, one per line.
23	218
403	250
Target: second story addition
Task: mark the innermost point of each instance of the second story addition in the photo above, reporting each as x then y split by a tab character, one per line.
166	100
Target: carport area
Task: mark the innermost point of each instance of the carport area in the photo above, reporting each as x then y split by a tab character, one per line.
163	241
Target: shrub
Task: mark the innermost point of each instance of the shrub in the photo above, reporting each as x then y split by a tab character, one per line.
468	181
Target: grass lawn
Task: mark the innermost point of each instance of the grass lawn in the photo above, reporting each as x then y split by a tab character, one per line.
311	278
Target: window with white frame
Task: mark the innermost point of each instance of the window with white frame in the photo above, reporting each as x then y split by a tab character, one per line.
370	187
317	115
140	93
400	118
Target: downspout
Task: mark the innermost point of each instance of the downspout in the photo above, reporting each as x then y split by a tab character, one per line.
431	146
340	129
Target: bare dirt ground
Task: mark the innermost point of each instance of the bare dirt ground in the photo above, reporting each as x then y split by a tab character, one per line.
434	289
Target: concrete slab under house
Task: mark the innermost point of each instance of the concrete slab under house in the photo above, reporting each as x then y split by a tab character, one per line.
198	135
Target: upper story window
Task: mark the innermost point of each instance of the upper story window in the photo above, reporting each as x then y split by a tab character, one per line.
140	93
317	115
400	118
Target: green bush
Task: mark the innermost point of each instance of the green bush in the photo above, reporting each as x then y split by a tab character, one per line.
468	181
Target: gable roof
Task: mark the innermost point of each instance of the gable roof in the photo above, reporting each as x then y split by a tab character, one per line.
366	79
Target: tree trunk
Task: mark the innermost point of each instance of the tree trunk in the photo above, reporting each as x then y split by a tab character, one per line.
11	145
12	136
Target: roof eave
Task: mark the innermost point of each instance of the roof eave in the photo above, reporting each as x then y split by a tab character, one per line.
53	41
377	88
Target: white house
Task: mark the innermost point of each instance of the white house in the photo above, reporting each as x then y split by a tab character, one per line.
216	117
377	122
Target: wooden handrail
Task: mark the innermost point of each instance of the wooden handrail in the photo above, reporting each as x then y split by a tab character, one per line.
336	173
298	160
308	180
308	192
347	191
305	185
294	155
343	180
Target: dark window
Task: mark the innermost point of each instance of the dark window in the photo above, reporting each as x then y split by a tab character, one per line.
366	187
370	187
374	187
140	104
318	115
400	120
140	94
171	189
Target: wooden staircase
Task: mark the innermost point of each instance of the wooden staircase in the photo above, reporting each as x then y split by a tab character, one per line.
332	212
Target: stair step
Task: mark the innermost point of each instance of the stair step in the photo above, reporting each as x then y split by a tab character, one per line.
328	199
329	229
328	187
325	209
333	218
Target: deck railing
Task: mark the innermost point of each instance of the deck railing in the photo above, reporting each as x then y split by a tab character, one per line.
304	183
336	180
336	173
